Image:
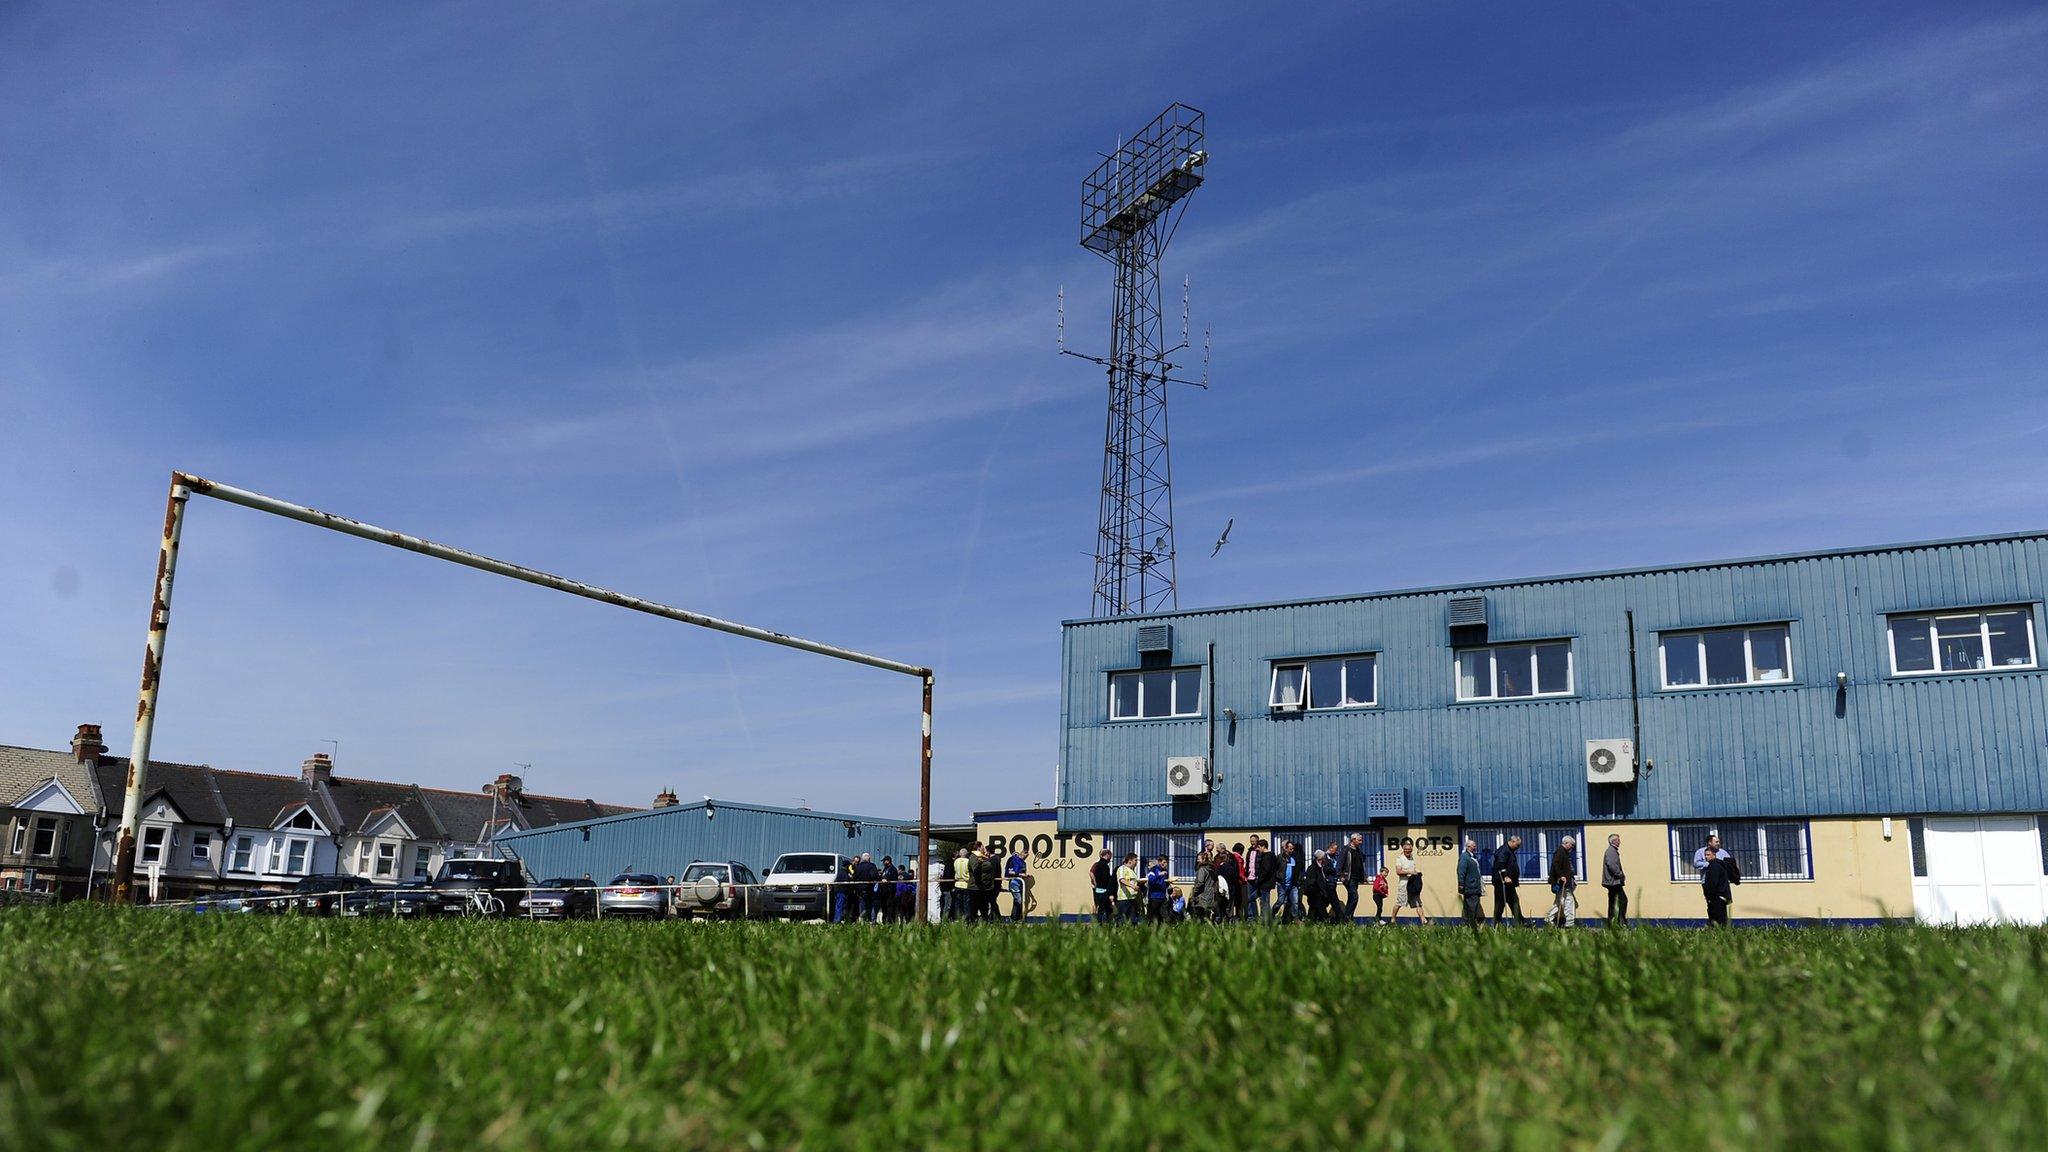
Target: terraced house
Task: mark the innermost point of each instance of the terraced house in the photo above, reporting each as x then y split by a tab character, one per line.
205	828
1866	729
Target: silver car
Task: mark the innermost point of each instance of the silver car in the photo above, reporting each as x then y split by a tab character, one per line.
633	894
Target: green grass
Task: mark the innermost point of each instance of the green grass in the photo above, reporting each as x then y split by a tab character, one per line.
169	1031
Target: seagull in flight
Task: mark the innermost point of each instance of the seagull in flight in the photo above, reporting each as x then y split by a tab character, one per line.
1223	539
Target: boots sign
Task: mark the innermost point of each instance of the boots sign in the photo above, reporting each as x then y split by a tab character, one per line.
1048	850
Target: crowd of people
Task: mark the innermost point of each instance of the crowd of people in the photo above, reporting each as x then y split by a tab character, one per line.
1253	881
1300	882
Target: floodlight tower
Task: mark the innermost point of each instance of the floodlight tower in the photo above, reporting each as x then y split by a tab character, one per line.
1130	207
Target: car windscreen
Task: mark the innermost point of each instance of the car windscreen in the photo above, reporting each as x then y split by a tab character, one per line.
700	871
806	862
565	882
472	870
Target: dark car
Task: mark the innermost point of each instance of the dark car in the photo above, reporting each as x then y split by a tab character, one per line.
328	895
720	890
479	887
560	898
409	900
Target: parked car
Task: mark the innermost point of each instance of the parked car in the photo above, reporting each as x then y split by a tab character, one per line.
227	900
328	895
798	886
560	898
720	890
409	900
633	894
478	887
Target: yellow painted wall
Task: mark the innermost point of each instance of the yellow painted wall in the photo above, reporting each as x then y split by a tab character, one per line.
1858	874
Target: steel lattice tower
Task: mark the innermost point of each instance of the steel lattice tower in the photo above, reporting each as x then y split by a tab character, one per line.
1130	207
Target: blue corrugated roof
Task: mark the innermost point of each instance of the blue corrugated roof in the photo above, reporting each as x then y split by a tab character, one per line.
1606	574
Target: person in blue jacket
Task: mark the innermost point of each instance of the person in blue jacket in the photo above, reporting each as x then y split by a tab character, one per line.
1158	890
1013	872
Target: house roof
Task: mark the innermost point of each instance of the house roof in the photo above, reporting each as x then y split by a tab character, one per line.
208	795
23	770
189	786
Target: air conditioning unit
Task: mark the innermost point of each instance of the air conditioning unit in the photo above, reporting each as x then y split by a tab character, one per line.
1610	761
1187	775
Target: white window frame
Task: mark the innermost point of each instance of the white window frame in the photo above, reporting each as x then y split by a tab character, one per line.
1699	636
145	849
202	847
20	835
1571	671
1344	662
422	861
385	861
305	865
243	854
1682	870
1174	711
1983	616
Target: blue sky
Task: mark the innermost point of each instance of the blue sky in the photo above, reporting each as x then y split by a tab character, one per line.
752	312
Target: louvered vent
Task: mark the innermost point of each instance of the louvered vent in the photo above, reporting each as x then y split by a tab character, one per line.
1386	804
1468	611
1443	801
1155	638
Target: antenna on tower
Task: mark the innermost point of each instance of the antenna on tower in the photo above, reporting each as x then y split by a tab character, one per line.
1131	206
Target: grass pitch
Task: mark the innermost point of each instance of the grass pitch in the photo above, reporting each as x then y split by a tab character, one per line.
170	1031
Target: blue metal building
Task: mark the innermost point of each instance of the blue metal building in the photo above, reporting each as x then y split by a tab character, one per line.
1857	685
666	840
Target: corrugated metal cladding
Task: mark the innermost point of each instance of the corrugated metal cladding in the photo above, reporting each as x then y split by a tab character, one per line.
665	840
1976	742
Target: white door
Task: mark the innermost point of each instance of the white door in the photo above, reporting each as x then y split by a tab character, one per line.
2012	868
1984	870
1955	872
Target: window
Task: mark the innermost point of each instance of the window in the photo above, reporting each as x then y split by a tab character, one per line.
1763	849
303	820
1515	671
419	863
362	856
1933	644
1155	694
1326	683
296	854
152	843
2041	828
1179	847
1539	844
1723	657
387	859
20	836
245	847
1314	838
202	847
1916	839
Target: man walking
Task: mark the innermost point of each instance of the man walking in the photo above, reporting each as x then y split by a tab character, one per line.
1615	881
988	874
1130	890
1014	870
1103	878
1468	883
1716	884
1564	881
1351	868
1263	872
1507	880
865	876
842	889
1158	890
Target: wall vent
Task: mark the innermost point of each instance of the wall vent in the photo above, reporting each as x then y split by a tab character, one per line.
1155	638
1468	611
1443	802
1386	804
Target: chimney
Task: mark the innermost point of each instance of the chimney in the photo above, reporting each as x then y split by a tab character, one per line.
666	798
507	787
86	746
317	770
